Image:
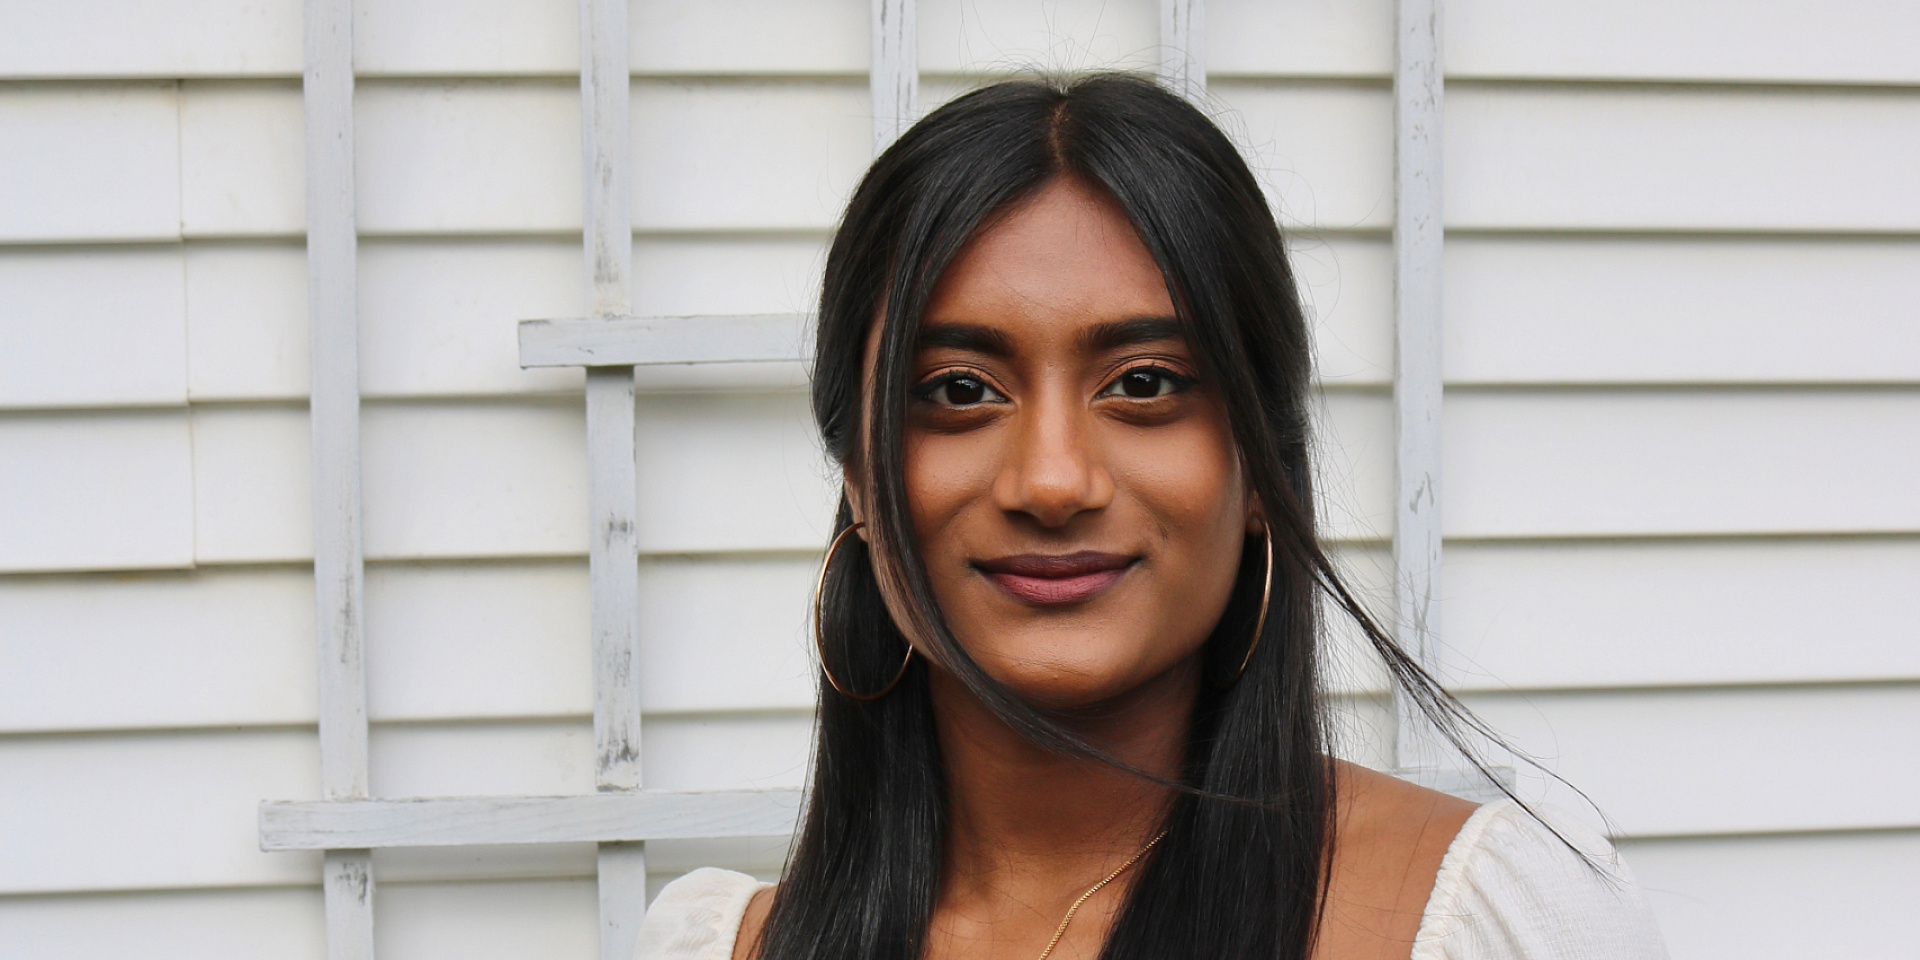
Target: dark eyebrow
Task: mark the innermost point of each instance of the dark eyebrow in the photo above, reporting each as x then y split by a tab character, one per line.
1129	333
968	337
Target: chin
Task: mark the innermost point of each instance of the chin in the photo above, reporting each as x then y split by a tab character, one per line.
1067	682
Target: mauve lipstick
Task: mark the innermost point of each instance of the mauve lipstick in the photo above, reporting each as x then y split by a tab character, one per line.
1057	580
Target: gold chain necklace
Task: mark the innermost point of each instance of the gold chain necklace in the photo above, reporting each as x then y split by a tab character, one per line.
1061	930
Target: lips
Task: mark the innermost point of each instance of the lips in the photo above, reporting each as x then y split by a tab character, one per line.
1056	580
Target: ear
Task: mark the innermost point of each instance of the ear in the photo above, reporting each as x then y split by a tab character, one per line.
1256	517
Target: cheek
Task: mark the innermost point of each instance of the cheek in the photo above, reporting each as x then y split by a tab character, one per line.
945	473
1186	475
1188	484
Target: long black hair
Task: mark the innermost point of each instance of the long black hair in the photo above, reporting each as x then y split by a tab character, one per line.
1249	835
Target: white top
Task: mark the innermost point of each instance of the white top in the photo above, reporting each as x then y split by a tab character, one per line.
1507	890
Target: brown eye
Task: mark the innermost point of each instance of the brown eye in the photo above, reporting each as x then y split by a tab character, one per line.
959	390
1146	383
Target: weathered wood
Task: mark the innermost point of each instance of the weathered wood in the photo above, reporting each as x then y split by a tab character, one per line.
614	816
614	576
612	491
334	410
622	870
1417	236
347	882
631	341
894	75
1183	31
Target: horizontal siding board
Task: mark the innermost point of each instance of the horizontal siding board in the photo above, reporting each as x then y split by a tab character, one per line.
467	156
512	920
462	760
192	820
718	635
1353	464
998	36
1702	761
287	924
130	651
726	751
749	36
1678	612
135	38
1783	898
438	318
1349	664
1346	285
1627	310
469	640
150	811
252	485
93	326
1674	158
474	480
97	161
688	275
104	491
242	159
1777	41
1322	152
1329	38
465	37
1668	463
246	321
778	155
731	472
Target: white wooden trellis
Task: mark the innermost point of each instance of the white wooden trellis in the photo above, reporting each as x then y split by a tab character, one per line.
347	824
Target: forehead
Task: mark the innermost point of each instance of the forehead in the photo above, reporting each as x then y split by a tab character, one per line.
1066	258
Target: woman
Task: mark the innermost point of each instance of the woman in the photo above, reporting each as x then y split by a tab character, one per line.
1069	623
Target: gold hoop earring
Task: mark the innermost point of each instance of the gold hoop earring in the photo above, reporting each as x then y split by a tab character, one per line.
820	642
1260	622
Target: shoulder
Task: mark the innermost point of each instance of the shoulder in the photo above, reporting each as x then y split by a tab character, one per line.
1510	888
697	917
1390	837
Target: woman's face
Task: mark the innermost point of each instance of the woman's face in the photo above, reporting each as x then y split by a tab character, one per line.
1072	481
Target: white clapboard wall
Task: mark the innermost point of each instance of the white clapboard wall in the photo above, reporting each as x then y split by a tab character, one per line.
1679	332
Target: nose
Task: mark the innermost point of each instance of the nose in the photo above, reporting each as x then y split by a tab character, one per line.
1054	470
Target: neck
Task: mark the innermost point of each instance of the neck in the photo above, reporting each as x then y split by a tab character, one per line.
1021	816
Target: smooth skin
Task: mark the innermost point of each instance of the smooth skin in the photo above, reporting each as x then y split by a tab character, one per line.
1059	413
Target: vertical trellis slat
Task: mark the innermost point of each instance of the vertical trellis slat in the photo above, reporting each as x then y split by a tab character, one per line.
1417	237
613	551
894	75
334	408
1183	65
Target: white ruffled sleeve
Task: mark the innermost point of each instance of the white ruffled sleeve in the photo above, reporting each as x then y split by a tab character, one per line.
1508	889
697	917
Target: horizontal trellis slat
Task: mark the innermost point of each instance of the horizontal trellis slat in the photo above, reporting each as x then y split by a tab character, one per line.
632	341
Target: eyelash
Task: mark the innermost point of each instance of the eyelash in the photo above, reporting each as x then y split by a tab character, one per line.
930	388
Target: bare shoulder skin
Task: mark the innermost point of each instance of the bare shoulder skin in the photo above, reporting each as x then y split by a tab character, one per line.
1389	840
